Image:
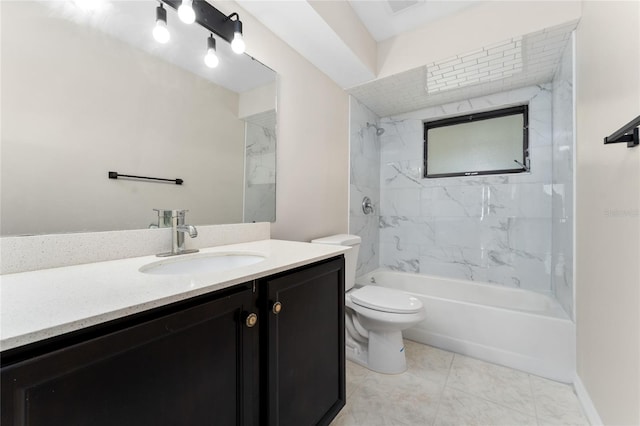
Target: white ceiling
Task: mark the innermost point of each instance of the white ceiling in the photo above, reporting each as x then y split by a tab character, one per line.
383	23
299	25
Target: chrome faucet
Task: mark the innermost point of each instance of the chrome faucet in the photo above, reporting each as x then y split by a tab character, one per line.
178	229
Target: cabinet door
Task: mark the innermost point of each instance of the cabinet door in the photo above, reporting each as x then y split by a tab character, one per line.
195	366
303	362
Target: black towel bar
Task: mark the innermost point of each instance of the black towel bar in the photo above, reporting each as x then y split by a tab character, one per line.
116	175
627	133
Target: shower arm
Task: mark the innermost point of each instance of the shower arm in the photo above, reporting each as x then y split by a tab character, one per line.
379	130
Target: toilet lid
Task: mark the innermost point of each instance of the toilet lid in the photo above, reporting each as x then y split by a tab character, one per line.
386	300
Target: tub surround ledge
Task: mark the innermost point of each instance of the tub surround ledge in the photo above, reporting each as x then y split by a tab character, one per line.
41	304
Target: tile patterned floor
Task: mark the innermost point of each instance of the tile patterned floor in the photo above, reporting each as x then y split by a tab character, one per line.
442	388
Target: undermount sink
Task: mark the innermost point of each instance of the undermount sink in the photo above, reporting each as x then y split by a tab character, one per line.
201	263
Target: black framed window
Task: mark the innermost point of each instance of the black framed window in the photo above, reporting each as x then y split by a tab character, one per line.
492	142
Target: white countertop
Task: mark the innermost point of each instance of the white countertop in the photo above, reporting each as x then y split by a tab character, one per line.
41	304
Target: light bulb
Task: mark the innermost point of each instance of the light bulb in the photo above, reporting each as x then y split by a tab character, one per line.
160	31
211	59
186	13
237	44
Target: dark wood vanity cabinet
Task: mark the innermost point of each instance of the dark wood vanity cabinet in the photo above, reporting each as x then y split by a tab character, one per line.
195	365
197	362
302	346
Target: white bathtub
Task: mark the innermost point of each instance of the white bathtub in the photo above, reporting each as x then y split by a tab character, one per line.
512	327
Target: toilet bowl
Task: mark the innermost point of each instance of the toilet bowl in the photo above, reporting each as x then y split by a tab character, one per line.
375	316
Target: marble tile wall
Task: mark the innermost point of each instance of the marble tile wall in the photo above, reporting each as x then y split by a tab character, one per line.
364	181
562	211
483	228
260	173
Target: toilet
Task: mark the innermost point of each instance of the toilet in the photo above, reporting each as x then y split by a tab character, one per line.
375	316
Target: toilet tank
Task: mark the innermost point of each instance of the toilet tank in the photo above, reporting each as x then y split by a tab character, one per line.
350	257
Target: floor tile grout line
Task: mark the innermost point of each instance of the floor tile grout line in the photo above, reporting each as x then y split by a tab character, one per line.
444	387
499	404
535	400
503	405
541	418
496	403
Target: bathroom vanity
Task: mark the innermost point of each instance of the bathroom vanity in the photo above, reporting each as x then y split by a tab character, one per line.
259	344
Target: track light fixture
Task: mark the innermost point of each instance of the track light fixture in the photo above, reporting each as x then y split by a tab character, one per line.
160	31
228	28
211	58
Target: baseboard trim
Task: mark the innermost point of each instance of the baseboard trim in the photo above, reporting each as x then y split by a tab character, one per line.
587	404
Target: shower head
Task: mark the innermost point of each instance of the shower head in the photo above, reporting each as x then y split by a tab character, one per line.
379	130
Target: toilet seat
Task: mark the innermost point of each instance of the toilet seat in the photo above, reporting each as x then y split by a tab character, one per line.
385	300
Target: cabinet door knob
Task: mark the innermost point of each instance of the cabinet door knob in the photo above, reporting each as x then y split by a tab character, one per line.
251	320
276	307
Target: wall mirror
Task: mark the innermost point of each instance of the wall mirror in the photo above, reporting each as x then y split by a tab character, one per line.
87	90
